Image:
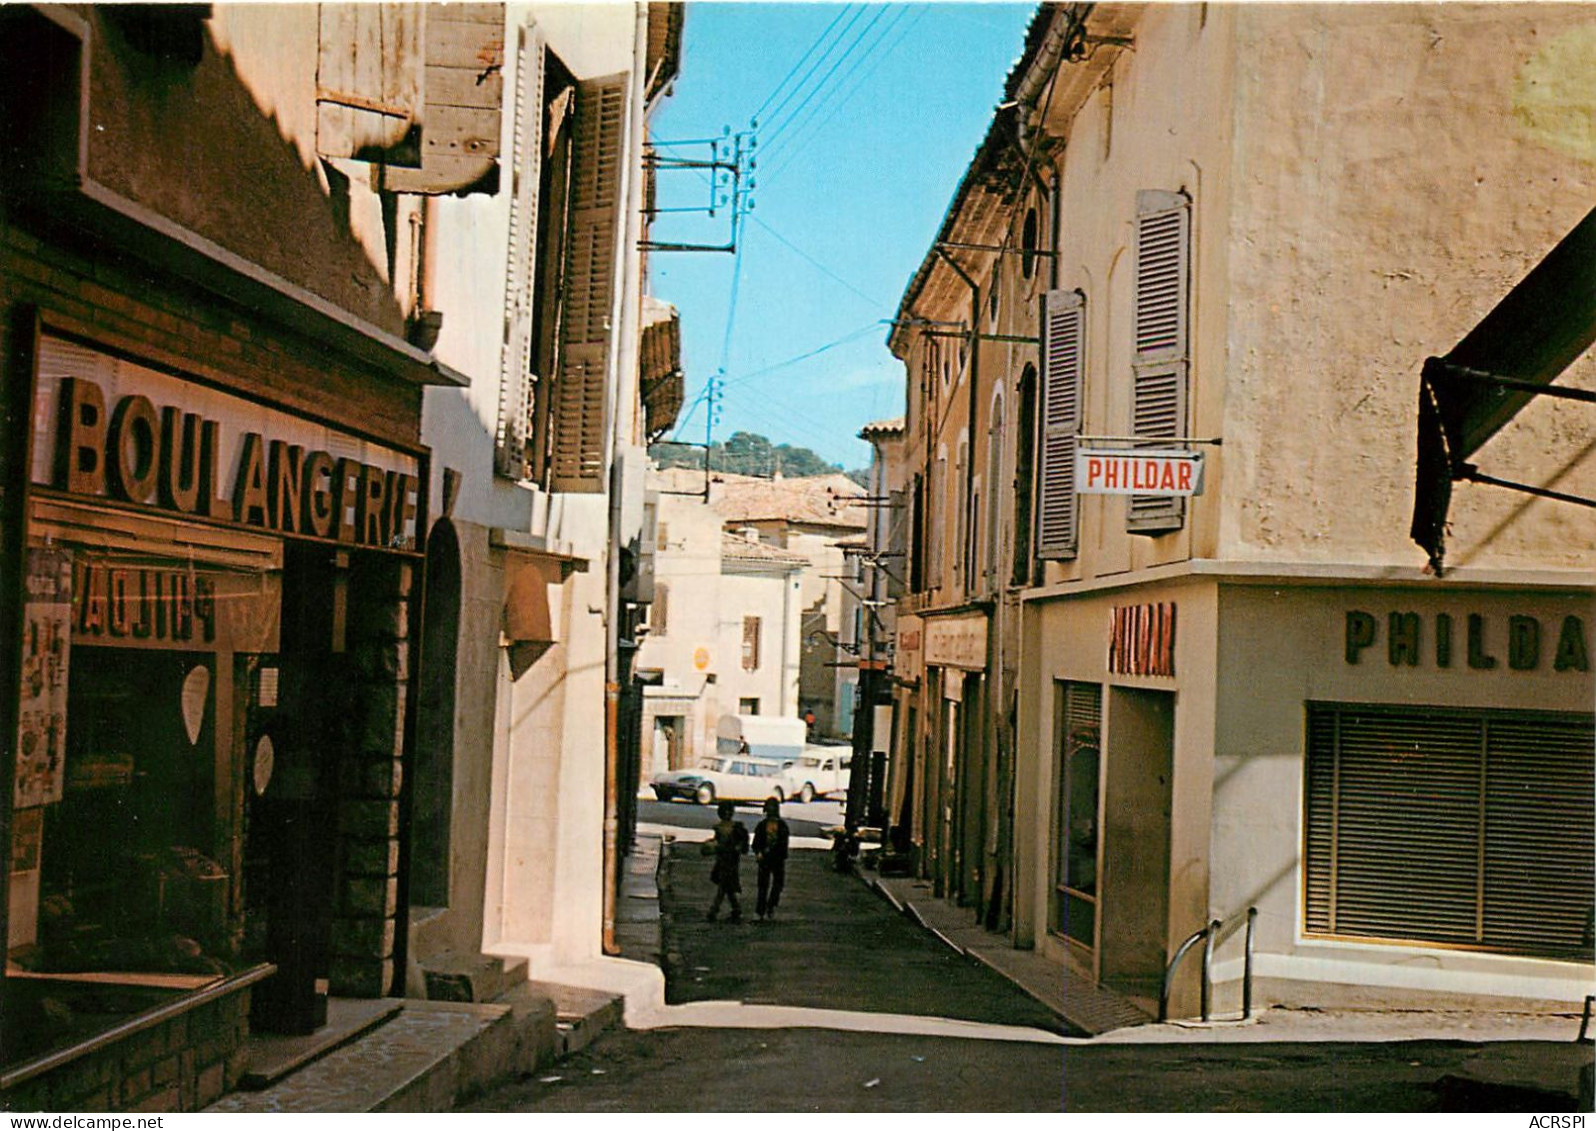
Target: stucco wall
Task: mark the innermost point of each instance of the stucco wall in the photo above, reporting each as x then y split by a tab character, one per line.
1398	169
1157	122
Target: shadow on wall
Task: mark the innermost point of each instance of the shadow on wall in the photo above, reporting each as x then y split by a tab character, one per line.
188	140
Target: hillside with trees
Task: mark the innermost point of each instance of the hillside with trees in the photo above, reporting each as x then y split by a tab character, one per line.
748	453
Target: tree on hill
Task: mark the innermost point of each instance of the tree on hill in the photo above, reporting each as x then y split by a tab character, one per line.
746	453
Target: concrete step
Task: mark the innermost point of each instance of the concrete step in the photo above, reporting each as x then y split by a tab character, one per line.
472	977
268	1057
424	1058
581	1015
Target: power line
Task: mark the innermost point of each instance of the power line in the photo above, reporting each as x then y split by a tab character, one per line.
841	59
845	339
816	65
819	266
843	11
774	146
843	103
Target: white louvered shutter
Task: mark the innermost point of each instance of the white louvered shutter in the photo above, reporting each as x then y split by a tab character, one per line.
597	147
1160	368
1063	358
526	169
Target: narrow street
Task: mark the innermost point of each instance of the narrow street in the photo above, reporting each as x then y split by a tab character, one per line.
833	945
839	950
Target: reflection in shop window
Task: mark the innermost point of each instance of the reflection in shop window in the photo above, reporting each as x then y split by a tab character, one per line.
127	808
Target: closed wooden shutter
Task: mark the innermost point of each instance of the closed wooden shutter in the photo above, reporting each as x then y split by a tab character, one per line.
597	147
1063	359
516	379
1160	369
369	79
1464	828
464	95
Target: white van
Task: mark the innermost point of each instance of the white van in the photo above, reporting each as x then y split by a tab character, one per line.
768	737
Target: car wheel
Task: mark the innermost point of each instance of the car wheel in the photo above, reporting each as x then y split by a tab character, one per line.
778	794
807	793
706	794
659	795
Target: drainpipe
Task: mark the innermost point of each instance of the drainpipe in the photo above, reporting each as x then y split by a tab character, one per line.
619	435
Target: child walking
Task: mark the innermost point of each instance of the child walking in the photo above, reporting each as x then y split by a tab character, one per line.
729	845
770	849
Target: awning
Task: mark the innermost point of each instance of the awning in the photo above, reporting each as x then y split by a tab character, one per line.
1515	353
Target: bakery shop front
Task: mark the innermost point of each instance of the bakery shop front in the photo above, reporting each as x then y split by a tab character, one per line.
214	681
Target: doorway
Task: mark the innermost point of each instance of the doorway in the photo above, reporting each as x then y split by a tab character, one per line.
1138	801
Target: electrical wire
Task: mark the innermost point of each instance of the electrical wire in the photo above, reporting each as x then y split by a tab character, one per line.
847	98
776	113
770	139
846	338
775	145
843	11
819	266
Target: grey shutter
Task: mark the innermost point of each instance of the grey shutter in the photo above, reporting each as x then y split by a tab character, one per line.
515	365
1063	360
464	95
597	147
1469	828
369	78
1160	369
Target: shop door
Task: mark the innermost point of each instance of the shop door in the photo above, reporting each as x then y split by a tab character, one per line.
291	844
1134	907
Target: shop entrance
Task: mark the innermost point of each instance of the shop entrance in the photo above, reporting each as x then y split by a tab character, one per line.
293	731
1138	799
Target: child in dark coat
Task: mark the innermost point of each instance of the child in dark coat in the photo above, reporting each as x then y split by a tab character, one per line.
729	845
770	849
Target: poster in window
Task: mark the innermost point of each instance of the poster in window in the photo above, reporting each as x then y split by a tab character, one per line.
46	638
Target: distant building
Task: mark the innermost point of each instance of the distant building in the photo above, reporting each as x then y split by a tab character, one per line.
722	632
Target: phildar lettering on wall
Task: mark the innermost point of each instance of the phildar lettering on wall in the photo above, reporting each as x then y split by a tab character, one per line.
1475	640
1141	639
108	428
46	651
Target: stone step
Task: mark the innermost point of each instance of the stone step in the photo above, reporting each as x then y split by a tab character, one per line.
424	1058
268	1057
472	977
581	1015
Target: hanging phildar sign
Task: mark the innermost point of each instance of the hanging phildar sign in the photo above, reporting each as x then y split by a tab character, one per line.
46	644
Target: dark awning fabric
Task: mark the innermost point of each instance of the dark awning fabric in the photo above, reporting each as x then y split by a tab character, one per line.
1531	336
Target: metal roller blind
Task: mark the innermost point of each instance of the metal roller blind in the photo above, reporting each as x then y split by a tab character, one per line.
1473	829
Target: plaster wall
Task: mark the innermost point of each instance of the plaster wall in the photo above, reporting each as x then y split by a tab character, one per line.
773	598
1157	121
1286	646
1398	168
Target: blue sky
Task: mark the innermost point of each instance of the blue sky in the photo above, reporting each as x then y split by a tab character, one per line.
871	114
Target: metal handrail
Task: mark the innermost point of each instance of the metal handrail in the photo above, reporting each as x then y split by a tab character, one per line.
1208	936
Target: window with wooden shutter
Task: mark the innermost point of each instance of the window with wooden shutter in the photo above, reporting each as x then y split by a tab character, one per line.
463	95
750	644
659	611
579	418
1063	362
1160	365
1077	760
369	78
1464	828
516	379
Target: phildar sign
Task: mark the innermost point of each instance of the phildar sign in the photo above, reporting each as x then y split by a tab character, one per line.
1138	473
159	441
